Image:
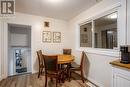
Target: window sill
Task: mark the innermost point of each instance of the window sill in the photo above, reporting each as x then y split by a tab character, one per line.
106	52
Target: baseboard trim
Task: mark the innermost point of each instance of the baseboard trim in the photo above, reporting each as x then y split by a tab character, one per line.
92	82
21	74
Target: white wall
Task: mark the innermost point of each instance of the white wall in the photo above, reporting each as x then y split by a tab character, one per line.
98	67
36	22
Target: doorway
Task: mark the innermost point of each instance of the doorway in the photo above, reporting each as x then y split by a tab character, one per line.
19	49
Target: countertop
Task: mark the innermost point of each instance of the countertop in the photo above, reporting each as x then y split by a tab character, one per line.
117	63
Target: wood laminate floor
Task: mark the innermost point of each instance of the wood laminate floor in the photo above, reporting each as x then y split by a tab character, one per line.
31	80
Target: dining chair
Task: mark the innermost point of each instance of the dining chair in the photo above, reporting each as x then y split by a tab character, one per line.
67	51
51	68
40	61
75	67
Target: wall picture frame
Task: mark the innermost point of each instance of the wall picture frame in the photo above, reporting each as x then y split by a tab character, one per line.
46	24
46	36
57	37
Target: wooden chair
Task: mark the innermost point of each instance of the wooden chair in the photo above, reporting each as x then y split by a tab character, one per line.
75	67
51	68
40	60
67	51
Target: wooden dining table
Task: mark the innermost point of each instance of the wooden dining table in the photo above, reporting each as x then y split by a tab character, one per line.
63	59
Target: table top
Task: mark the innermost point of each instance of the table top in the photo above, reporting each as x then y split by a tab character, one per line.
117	63
62	59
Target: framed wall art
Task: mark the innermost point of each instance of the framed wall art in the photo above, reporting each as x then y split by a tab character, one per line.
46	36
46	24
56	37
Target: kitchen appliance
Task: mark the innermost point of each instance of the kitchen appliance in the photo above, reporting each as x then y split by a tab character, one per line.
125	54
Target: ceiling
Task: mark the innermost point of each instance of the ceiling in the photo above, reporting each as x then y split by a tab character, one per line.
64	10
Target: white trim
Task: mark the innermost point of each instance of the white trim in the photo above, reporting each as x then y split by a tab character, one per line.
0	51
119	4
93	30
88	21
93	81
107	12
98	51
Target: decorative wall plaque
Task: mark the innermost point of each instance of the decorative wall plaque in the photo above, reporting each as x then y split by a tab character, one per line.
46	36
56	37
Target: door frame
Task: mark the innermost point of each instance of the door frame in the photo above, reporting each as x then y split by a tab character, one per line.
7	67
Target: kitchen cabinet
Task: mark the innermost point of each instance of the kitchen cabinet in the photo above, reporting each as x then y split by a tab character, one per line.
120	74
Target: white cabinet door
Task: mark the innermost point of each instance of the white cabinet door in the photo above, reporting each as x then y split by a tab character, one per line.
121	81
121	77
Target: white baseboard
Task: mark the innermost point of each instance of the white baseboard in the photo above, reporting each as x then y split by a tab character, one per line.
90	84
33	72
95	82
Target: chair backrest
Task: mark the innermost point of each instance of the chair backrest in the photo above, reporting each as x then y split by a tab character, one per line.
50	63
82	59
40	57
67	51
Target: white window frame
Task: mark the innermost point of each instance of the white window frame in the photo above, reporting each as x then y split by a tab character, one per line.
120	38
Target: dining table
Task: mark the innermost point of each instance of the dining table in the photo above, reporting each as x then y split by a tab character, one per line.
64	59
64	62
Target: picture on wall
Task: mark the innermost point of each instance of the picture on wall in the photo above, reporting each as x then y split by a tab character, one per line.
46	24
56	37
46	36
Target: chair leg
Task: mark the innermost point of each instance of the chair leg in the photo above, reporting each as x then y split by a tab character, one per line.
69	75
82	77
63	77
56	81
51	79
41	70
45	81
39	73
